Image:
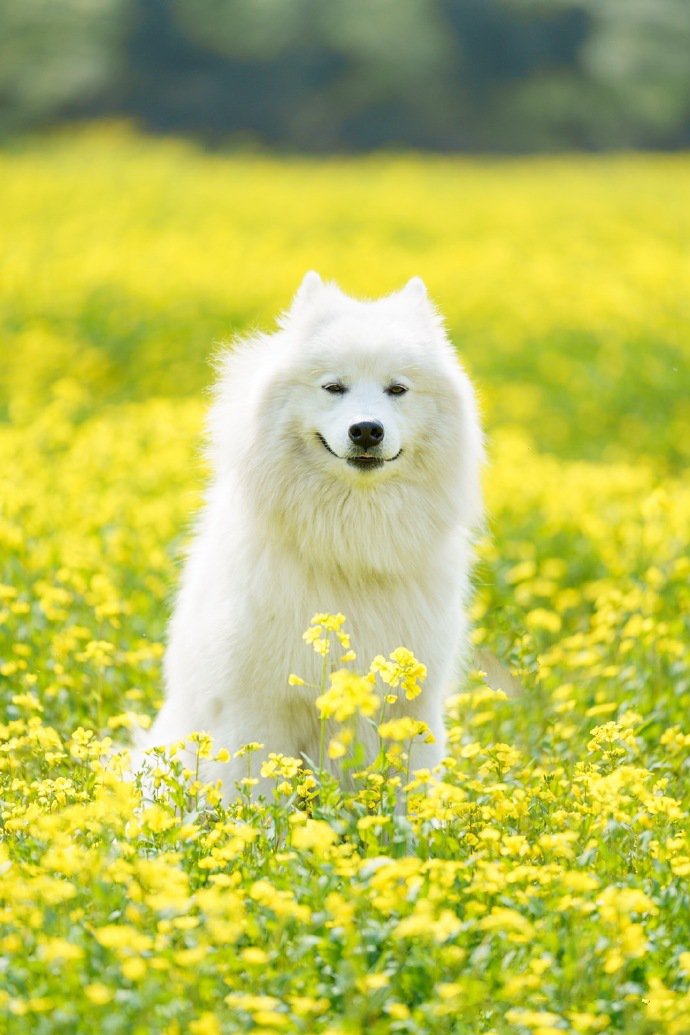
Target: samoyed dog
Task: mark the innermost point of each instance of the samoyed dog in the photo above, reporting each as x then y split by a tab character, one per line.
346	452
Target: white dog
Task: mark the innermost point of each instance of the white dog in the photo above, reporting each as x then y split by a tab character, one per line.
346	451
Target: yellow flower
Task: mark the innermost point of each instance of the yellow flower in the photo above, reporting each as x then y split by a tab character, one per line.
134	968
346	696
255	956
277	766
337	746
313	833
304	1005
405	728
205	1024
373	982
122	936
248	749
540	618
402	670
516	927
98	993
51	949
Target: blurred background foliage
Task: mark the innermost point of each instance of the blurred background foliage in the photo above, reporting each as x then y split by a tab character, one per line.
564	280
352	75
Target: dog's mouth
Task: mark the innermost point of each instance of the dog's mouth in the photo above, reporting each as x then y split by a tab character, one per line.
365	461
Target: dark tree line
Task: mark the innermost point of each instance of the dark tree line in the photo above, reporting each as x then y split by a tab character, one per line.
338	75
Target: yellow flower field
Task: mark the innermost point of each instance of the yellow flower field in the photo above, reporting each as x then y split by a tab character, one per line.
541	884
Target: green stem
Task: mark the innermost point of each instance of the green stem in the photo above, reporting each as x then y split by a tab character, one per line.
407	769
322	737
322	743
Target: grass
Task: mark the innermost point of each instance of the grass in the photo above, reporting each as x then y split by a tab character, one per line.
540	886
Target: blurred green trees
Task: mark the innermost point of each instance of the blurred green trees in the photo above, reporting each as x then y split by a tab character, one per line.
323	75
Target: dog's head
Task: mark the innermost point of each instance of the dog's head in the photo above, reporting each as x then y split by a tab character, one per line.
372	388
353	412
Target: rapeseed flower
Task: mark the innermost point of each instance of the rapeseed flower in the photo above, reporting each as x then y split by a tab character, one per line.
346	696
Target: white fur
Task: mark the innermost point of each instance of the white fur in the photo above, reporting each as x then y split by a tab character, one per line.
289	529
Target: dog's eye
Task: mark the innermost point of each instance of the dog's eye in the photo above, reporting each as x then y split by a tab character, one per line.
334	387
396	390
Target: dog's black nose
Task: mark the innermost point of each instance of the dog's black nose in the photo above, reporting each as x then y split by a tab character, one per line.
366	433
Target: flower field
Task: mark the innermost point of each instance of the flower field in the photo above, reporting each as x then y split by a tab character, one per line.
541	884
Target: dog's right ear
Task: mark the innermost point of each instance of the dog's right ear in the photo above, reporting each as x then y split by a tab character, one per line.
307	300
311	286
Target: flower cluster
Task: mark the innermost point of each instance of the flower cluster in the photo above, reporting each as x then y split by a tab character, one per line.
401	669
319	635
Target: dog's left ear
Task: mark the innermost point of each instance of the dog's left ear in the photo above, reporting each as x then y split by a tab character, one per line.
415	297
415	290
